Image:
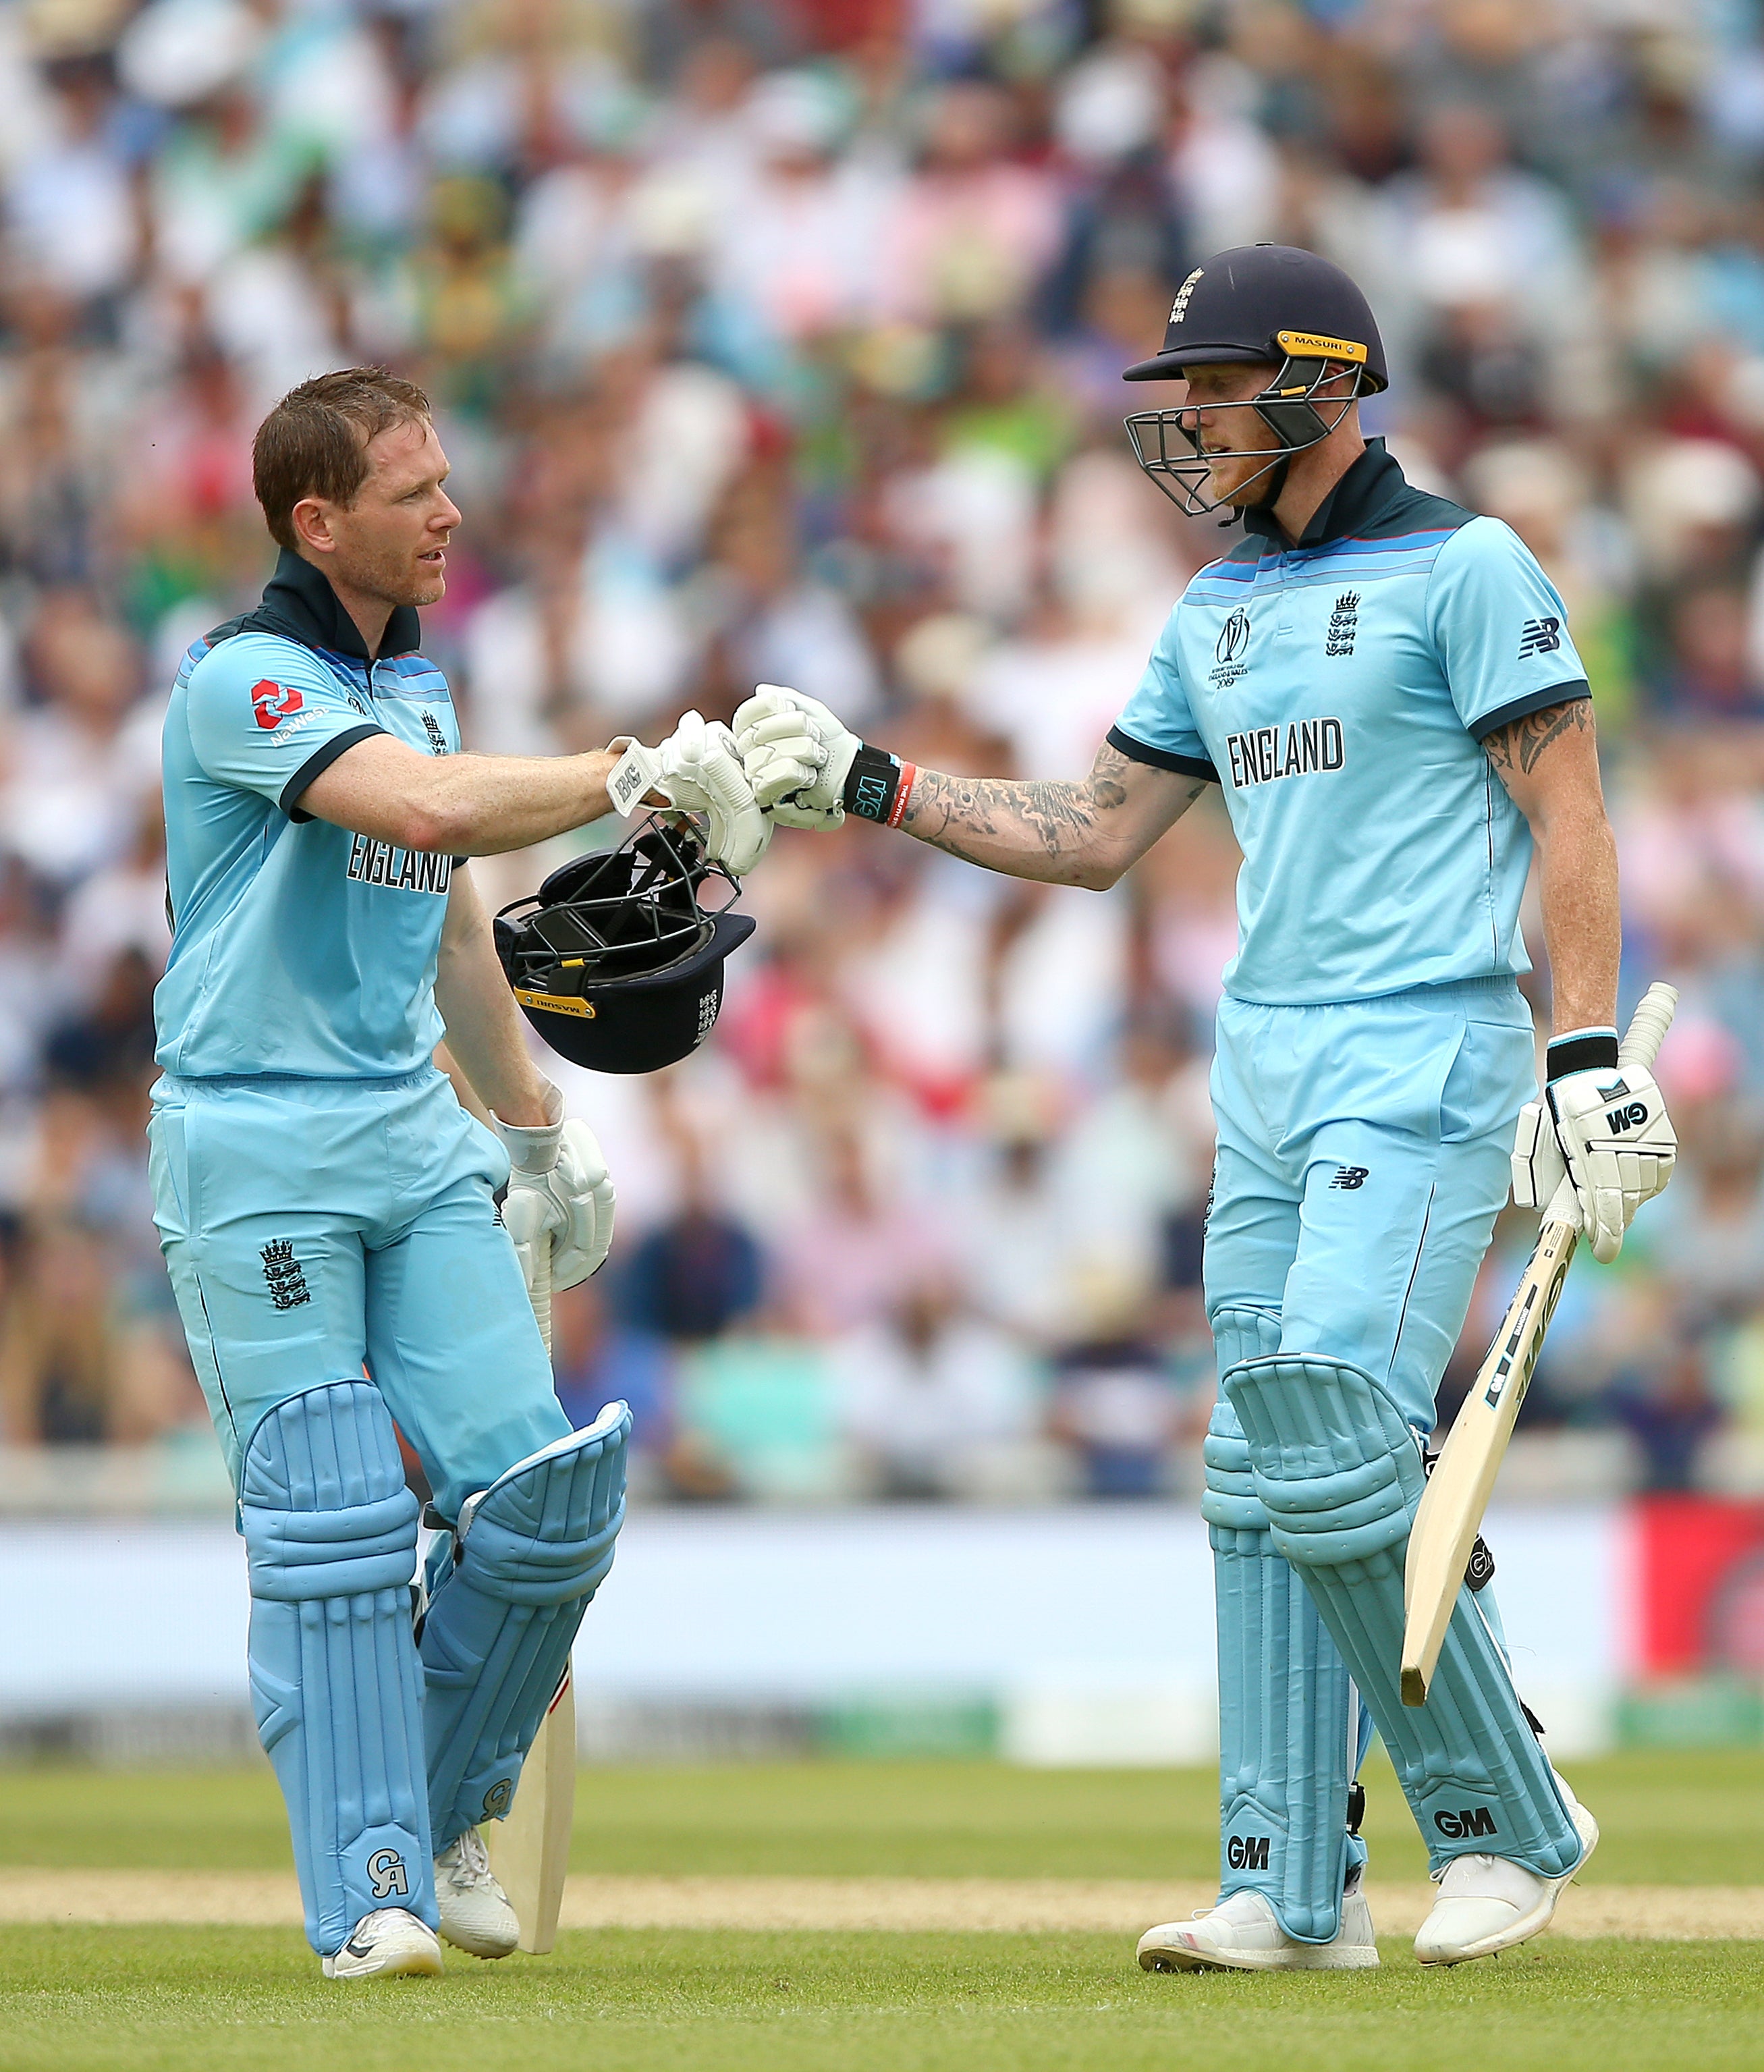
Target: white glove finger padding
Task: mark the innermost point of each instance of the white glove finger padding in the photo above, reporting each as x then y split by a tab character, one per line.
739	832
791	813
532	1218
1539	1168
784	726
682	754
774	776
795	750
1613	1130
767	700
584	1194
1606	1225
701	773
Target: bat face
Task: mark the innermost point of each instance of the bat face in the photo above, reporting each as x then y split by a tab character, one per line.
1521	1337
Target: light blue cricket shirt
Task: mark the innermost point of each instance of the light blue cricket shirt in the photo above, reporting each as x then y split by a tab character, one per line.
1338	691
297	947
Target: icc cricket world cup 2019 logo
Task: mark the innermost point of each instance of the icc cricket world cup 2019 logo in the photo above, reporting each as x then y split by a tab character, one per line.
1229	650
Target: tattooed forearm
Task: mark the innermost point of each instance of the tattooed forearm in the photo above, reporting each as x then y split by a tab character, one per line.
1075	833
1520	745
1549	762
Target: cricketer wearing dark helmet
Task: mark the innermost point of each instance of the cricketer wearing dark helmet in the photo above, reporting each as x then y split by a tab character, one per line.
1383	686
328	1209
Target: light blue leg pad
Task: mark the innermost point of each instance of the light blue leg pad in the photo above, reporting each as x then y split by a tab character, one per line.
330	1532
1289	1738
531	1551
1340	1474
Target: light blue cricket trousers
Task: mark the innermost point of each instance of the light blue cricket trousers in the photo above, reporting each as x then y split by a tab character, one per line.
314	1227
1363	1156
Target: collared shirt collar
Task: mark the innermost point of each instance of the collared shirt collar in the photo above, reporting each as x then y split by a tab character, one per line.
305	606
1361	495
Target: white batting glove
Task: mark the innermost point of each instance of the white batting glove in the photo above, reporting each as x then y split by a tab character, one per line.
797	755
560	1195
701	772
1611	1136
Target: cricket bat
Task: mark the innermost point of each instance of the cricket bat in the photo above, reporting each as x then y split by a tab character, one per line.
530	1850
1458	1491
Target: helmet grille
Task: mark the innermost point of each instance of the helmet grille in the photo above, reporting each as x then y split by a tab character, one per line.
625	913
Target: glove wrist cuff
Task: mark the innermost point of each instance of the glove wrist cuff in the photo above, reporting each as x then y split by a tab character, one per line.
533	1149
1581	1050
877	786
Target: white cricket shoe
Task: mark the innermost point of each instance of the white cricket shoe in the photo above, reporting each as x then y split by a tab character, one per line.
389	1944
1486	1903
475	1915
1244	1934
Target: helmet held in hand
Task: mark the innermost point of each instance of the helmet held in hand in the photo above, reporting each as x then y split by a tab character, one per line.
617	961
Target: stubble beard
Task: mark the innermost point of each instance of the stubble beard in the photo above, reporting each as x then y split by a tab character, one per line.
392	580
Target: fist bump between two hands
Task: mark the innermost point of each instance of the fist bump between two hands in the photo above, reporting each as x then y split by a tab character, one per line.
783	764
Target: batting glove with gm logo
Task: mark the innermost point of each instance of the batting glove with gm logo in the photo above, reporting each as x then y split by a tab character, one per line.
1603	1125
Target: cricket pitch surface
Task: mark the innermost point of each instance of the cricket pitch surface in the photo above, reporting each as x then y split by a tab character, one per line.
951	1905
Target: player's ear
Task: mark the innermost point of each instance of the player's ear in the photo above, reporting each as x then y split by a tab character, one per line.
310	519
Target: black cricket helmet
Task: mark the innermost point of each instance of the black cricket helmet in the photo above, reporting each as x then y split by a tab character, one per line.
1269	304
617	961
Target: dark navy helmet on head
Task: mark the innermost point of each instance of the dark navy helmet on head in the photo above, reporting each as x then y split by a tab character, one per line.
1267	305
617	961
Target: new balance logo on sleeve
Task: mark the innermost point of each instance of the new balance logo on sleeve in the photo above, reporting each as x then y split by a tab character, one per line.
1351	1178
1540	636
1266	753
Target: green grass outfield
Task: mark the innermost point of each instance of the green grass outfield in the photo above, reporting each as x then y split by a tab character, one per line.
626	2000
157	2000
1669	1817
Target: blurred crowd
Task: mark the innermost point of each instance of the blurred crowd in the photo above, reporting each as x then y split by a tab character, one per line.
780	339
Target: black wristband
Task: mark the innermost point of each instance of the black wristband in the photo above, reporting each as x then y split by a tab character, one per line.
1597	1053
871	784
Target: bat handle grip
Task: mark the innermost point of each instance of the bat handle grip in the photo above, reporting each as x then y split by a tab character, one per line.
1648	1025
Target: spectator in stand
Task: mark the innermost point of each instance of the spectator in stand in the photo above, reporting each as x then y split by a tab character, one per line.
937	1403
696	1274
1115	1403
783	341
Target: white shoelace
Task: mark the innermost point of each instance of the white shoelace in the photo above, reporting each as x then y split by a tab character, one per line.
471	1865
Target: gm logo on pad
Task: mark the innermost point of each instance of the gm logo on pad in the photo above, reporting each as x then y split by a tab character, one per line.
1461	1826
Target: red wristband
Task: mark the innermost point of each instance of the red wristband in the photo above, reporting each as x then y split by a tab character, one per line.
903	790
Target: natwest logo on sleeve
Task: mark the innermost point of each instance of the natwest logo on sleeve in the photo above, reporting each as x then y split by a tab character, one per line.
272	703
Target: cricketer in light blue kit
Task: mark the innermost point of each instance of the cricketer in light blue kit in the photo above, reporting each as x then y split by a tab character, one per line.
350	1248
1383	688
